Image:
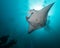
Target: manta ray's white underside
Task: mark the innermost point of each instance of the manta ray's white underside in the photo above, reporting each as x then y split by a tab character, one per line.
38	18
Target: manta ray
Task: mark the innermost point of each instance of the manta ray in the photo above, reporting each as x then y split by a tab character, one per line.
38	19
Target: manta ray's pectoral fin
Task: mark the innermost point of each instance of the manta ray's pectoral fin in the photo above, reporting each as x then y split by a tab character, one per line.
31	28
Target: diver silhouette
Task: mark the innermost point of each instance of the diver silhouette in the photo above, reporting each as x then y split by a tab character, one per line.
4	44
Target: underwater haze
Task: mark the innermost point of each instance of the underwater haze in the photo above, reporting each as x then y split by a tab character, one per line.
13	23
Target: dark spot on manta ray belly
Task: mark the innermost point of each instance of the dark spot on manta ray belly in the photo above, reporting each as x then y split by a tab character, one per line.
36	19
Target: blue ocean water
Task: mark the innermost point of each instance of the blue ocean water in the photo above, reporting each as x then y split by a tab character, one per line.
13	22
